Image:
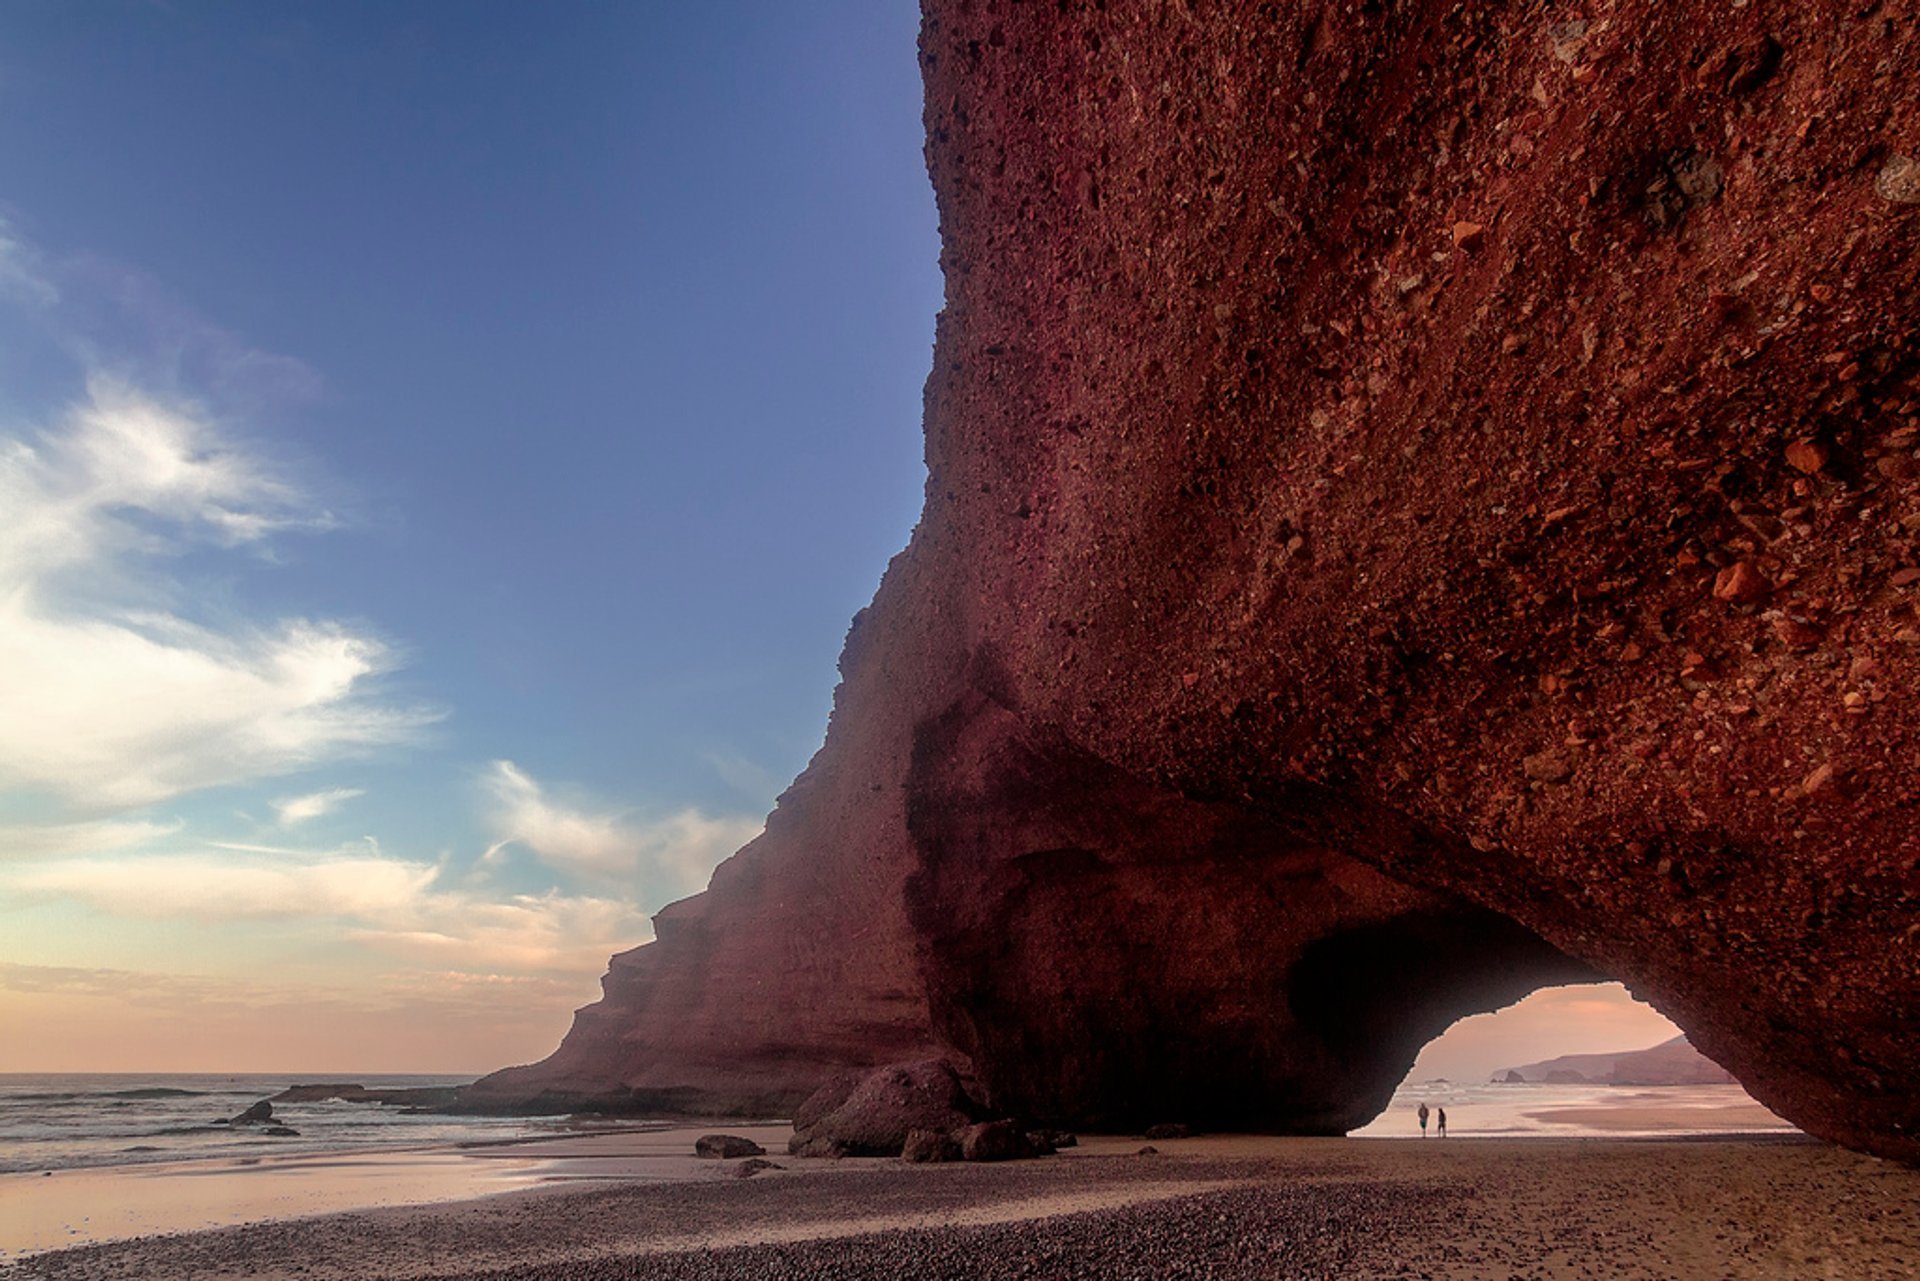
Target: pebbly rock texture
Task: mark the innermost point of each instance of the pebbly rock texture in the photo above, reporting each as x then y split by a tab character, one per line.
1422	501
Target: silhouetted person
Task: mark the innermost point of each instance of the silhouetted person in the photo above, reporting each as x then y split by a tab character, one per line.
1423	1120
1441	1117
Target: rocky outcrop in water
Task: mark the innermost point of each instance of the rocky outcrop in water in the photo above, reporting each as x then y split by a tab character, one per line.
1422	502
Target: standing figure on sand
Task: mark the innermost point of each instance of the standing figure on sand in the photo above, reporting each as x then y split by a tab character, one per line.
1423	1120
1440	1116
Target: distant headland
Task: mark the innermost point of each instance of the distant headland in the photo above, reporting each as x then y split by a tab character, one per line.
1672	1062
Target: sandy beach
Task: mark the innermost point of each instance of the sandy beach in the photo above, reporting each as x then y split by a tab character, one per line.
1212	1206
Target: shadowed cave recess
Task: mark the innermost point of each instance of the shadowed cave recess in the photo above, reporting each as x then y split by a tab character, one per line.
1132	956
1423	503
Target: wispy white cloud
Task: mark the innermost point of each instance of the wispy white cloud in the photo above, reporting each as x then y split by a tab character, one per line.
550	933
120	688
294	810
111	317
356	894
474	993
675	853
200	887
23	276
754	781
65	840
114	698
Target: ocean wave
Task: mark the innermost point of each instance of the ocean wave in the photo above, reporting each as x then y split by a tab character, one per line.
71	1096
154	1092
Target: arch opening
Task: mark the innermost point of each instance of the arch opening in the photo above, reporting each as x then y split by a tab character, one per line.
1571	1060
1112	954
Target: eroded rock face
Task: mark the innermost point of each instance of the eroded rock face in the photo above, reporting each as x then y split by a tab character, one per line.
1454	421
1406	482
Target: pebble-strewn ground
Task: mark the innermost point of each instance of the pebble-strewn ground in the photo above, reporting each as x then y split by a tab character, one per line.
1455	1210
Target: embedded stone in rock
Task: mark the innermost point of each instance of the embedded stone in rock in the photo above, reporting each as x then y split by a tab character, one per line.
1899	181
1808	456
1741	583
1548	767
874	1116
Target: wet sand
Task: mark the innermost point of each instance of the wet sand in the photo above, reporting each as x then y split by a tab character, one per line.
1652	1118
86	1206
1218	1207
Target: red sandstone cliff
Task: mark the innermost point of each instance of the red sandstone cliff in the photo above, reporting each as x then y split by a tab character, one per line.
1407	481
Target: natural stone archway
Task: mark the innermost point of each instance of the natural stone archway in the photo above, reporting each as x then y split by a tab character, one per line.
1475	443
1110	954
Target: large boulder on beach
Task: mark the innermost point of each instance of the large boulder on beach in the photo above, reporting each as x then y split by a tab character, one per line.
872	1115
1422	504
726	1147
1002	1140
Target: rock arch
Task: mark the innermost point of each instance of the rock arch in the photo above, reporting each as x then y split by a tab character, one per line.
1470	452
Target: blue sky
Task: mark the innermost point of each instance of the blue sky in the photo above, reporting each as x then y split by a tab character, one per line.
441	447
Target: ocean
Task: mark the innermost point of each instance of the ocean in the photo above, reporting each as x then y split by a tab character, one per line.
71	1121
60	1122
